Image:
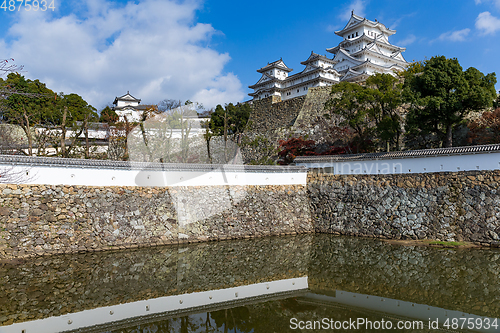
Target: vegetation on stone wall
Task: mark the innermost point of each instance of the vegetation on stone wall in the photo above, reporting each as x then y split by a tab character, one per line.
293	147
486	129
263	152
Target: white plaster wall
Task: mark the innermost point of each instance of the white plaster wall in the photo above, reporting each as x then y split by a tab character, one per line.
447	163
60	175
125	103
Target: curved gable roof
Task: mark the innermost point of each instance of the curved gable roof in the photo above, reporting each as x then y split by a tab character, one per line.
275	64
127	97
356	21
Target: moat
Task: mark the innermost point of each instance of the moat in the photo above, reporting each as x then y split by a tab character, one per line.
267	285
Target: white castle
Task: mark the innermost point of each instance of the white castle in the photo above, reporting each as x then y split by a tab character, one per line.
364	50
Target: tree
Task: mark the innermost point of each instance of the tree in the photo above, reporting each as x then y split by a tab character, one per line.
207	135
70	114
295	147
165	136
383	94
8	66
230	120
28	105
442	95
168	104
350	101
108	116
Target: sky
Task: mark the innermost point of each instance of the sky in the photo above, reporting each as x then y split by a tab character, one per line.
209	51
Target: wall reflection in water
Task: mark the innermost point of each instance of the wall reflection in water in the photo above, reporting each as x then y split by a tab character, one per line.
460	280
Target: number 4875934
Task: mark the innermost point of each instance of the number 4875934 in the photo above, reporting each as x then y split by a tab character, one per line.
35	5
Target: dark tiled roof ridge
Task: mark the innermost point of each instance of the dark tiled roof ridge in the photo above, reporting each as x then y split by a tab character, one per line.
403	154
127	165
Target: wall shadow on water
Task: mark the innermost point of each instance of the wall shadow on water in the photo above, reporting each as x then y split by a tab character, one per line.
463	280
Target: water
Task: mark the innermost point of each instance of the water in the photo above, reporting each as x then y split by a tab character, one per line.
270	284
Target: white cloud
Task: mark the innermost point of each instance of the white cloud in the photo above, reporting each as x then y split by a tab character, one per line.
153	49
487	23
220	89
410	39
359	9
455	36
495	2
401	19
333	28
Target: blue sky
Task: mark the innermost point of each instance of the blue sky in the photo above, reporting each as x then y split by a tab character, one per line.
209	51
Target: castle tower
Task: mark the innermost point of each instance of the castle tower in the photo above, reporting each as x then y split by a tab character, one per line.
364	50
272	80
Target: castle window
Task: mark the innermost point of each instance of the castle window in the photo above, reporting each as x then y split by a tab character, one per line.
356	34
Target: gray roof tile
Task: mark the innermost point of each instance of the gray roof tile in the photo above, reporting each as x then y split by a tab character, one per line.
400	154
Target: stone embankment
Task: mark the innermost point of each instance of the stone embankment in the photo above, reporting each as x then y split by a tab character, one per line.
39	220
457	206
447	206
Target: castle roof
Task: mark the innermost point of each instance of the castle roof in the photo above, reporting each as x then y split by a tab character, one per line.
127	97
381	40
345	55
133	107
275	64
315	56
265	78
356	21
372	50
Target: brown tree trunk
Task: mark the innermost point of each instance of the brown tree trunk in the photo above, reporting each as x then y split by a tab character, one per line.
209	160
127	130
87	146
449	137
225	137
63	132
26	129
145	140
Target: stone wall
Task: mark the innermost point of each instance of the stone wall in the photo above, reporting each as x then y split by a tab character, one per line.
269	122
296	117
448	206
38	219
459	206
267	116
310	119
